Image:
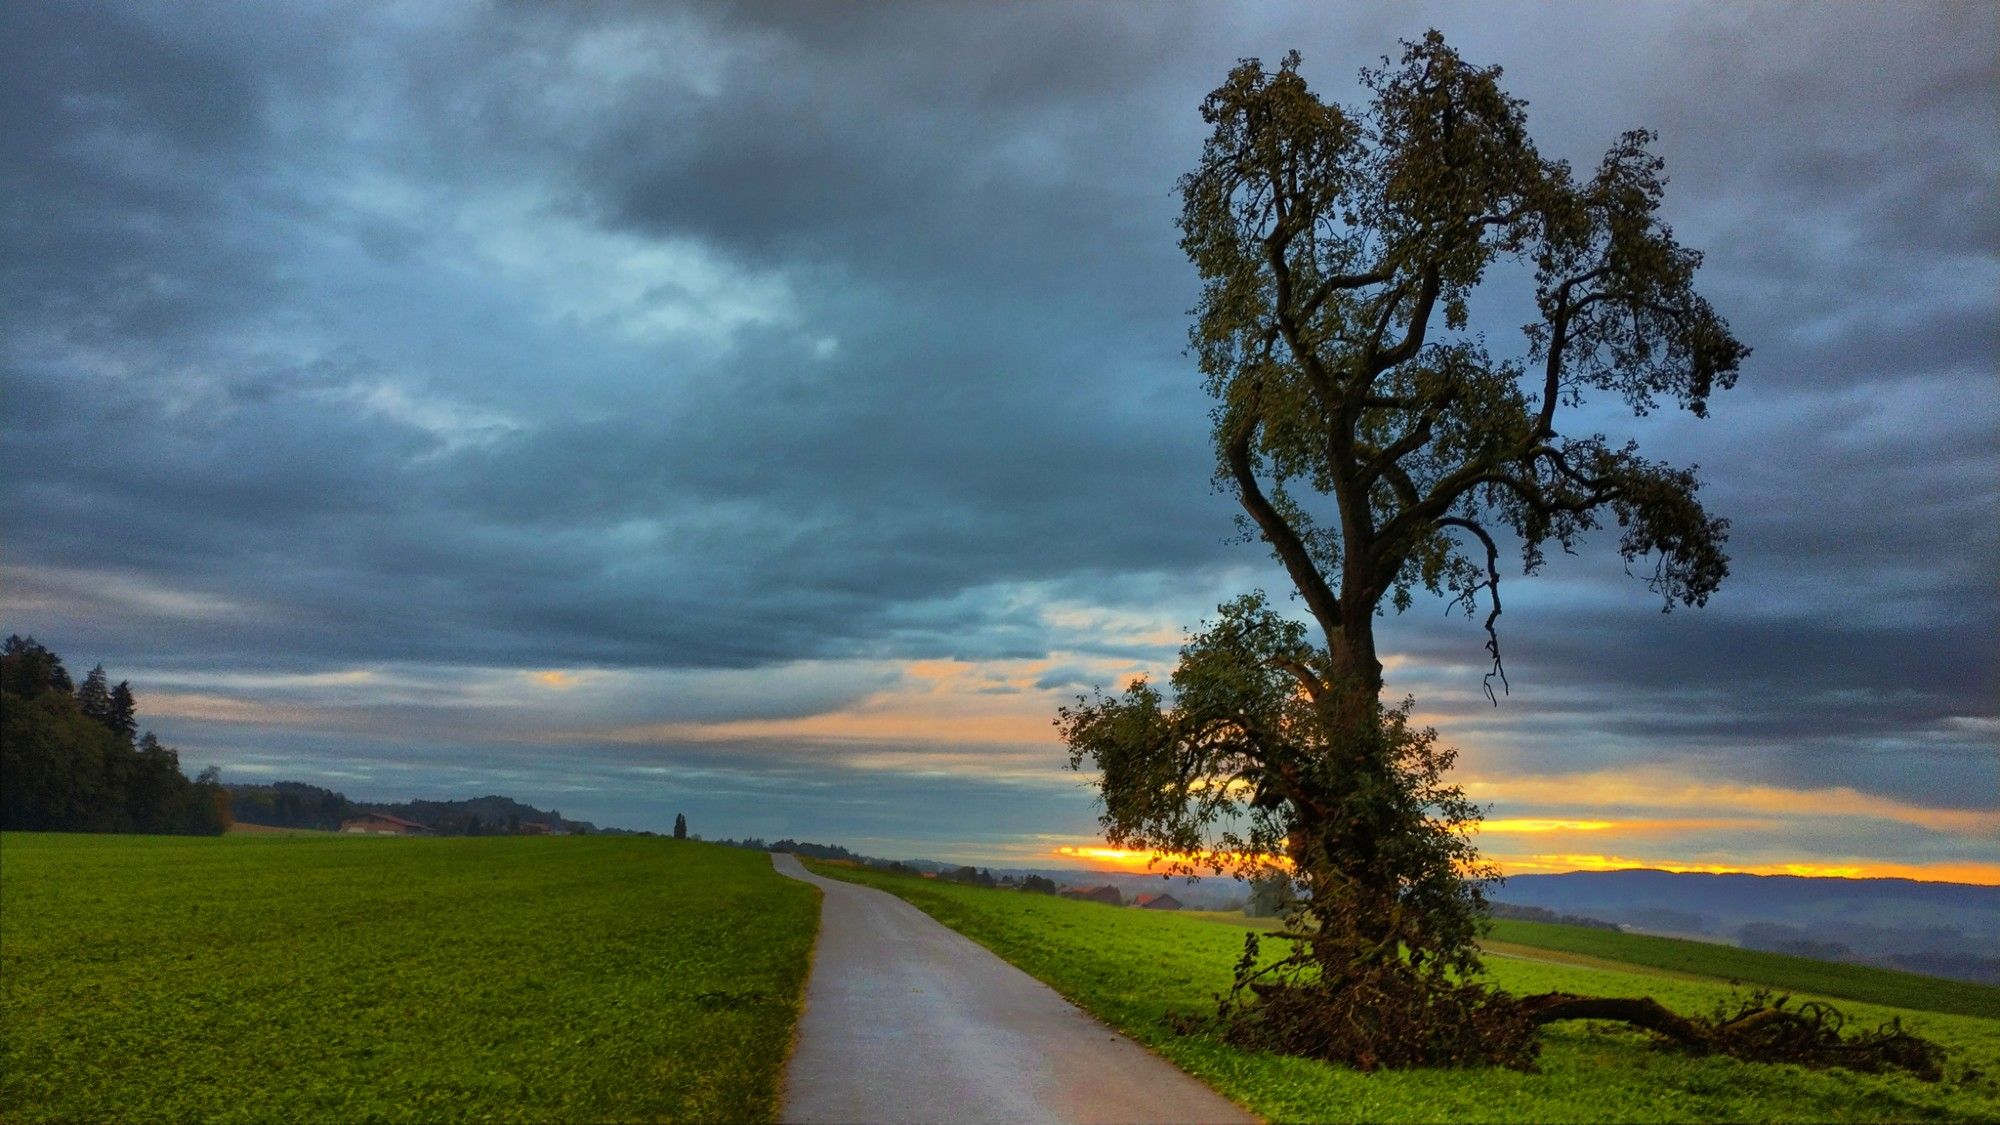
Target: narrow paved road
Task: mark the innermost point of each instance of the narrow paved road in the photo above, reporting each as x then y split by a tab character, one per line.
908	1021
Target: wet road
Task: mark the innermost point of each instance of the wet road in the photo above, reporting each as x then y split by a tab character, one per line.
908	1021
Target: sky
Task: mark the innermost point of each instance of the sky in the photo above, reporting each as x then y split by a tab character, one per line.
772	413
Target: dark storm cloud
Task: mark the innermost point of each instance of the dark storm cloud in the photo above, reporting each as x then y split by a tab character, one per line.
726	337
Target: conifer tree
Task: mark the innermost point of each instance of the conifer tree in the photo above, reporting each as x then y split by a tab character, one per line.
124	711
94	697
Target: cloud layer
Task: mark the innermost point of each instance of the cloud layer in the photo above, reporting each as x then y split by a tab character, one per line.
777	410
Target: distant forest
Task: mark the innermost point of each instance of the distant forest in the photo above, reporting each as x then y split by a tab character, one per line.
294	804
71	758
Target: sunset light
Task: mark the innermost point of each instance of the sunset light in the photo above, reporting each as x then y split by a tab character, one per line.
1984	874
1125	859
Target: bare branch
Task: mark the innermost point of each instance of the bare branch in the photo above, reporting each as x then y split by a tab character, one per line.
1558	341
1340	282
1492	588
1284	539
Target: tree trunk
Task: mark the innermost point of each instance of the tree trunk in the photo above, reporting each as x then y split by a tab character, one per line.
1646	1012
1336	852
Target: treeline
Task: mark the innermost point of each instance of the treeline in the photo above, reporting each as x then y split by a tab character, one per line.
71	758
804	848
835	852
1543	914
290	804
295	804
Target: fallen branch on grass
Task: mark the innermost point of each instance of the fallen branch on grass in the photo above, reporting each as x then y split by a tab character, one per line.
1762	1029
1379	1014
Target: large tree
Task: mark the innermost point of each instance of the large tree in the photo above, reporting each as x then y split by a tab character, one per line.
1379	445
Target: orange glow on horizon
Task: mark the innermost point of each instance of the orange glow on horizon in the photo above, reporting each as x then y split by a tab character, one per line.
1142	861
1961	871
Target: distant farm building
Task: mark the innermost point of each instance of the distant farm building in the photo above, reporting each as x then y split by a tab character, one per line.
1106	893
382	824
535	828
1157	902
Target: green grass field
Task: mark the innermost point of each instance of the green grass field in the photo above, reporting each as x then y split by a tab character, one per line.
1641	953
1131	967
327	978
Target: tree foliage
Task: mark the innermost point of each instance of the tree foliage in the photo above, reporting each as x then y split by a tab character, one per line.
1340	251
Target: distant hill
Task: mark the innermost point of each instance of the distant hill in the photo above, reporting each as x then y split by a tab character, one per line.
1943	929
294	804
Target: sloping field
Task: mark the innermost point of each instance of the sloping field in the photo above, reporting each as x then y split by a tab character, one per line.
1728	962
1131	967
327	978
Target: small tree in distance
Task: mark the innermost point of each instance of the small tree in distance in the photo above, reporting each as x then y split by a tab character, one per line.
1377	447
680	826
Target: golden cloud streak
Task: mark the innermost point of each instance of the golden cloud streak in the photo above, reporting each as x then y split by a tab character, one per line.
1531	824
557	679
226	709
1655	789
852	726
937	703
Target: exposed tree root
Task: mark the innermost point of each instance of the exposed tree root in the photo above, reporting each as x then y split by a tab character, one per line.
1382	1014
1383	1022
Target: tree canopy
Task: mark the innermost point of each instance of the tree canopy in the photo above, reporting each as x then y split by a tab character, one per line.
1340	251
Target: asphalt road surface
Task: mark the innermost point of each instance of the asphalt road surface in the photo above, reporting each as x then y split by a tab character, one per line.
908	1021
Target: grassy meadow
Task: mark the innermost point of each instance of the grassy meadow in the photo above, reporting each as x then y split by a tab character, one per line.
1132	967
327	978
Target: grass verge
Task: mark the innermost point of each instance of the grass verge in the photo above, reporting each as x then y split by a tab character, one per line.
1131	967
316	978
